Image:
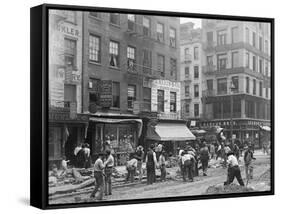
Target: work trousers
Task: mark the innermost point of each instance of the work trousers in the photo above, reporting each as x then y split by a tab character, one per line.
99	184
234	172
150	174
163	173
108	185
204	166
249	168
131	174
188	168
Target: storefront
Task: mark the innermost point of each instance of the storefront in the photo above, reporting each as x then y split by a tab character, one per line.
172	134
64	134
120	134
244	130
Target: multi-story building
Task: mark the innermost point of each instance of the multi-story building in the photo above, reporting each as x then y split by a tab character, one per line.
236	68
130	73
191	71
67	124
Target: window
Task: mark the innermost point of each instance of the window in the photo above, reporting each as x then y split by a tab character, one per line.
173	101
234	35
131	96
147	99
254	39
186	71
261	88
69	94
222	86
93	94
261	66
131	22
172	37
222	60
196	53
131	59
221	37
94	49
173	66
247	35
210	38
260	43
116	94
115	18
161	65
196	90
266	46
147	61
146	26
266	92
114	54
254	86
160	100
209	85
235	84
266	68
196	72
55	142
70	53
247	60
186	52
254	63
210	60
95	14
160	32
186	90
247	85
234	59
196	110
187	108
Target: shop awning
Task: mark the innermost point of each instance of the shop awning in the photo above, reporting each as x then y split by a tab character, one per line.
198	131
169	132
113	120
265	128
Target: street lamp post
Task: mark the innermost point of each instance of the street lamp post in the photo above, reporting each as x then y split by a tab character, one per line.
232	88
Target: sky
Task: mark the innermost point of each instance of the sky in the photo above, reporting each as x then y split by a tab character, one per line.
197	22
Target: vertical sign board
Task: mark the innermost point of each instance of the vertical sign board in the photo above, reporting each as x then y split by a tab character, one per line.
106	93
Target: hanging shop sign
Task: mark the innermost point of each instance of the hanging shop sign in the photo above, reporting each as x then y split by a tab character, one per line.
106	93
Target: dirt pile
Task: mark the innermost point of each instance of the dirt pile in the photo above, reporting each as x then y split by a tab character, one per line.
232	188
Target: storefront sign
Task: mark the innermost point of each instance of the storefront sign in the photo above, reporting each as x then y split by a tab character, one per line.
73	110
68	30
106	93
168	116
168	87
72	76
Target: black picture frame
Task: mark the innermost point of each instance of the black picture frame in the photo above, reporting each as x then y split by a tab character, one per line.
39	105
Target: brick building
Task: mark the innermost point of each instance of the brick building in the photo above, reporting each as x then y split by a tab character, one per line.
236	68
67	124
130	75
191	71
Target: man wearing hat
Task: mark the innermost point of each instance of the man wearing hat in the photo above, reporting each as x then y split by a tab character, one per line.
188	164
151	164
99	176
233	170
248	161
204	157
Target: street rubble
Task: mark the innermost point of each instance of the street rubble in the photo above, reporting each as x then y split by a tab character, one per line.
79	180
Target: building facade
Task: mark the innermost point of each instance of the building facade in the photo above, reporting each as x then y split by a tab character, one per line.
130	75
236	69
191	71
67	124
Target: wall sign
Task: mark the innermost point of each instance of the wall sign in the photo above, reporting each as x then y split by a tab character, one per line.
106	93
